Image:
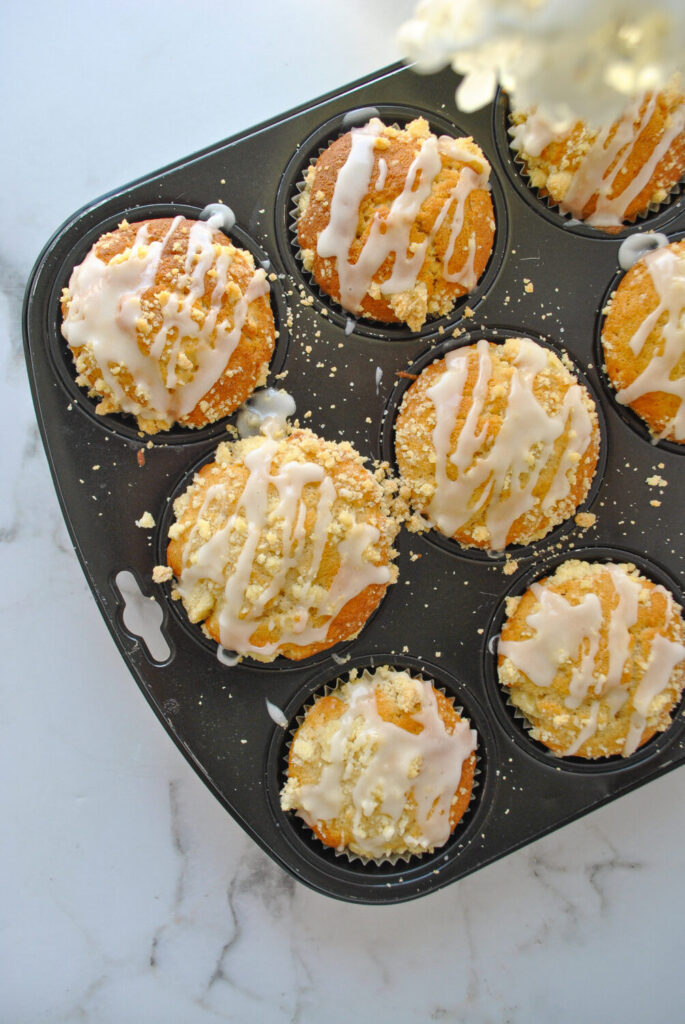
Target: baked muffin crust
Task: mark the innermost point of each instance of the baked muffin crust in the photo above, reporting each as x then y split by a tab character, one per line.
644	341
167	320
396	224
497	443
594	657
610	176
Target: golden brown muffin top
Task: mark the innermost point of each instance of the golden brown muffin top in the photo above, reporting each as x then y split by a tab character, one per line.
383	765
168	321
396	223
607	176
594	657
644	341
282	545
497	443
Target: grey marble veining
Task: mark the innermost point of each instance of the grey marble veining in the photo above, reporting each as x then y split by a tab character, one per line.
128	893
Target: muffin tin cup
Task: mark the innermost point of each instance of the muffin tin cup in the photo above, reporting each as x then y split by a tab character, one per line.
287	213
395	866
516	722
628	415
655	218
123	424
513	552
437	618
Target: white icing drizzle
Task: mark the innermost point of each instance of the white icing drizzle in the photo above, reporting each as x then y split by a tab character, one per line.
587	731
634	247
667	270
526	426
664	655
106	306
563	631
270	408
359	116
535	133
275	714
219	216
602	164
239	614
385	780
391	235
492	643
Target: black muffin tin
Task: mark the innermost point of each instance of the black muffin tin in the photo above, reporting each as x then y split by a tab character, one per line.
443	615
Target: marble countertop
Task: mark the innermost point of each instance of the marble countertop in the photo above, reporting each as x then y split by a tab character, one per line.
128	893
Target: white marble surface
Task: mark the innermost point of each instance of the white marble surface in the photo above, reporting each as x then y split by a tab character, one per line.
128	893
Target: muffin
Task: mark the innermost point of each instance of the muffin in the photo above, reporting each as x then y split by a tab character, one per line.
282	546
644	341
395	224
498	443
594	658
606	177
168	321
381	766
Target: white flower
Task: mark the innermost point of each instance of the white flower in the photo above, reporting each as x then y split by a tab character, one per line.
571	59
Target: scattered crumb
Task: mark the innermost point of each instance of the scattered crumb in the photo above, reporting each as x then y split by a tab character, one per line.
146	521
585	520
161	573
655	503
140	457
510	567
656	481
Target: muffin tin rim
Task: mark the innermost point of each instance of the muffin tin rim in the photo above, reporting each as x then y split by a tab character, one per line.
475	859
286	242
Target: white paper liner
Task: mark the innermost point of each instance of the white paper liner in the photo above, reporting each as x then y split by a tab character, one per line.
393	858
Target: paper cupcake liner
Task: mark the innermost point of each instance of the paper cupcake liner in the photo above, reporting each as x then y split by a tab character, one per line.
652	208
394	858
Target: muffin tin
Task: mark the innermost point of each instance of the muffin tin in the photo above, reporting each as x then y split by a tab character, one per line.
543	280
